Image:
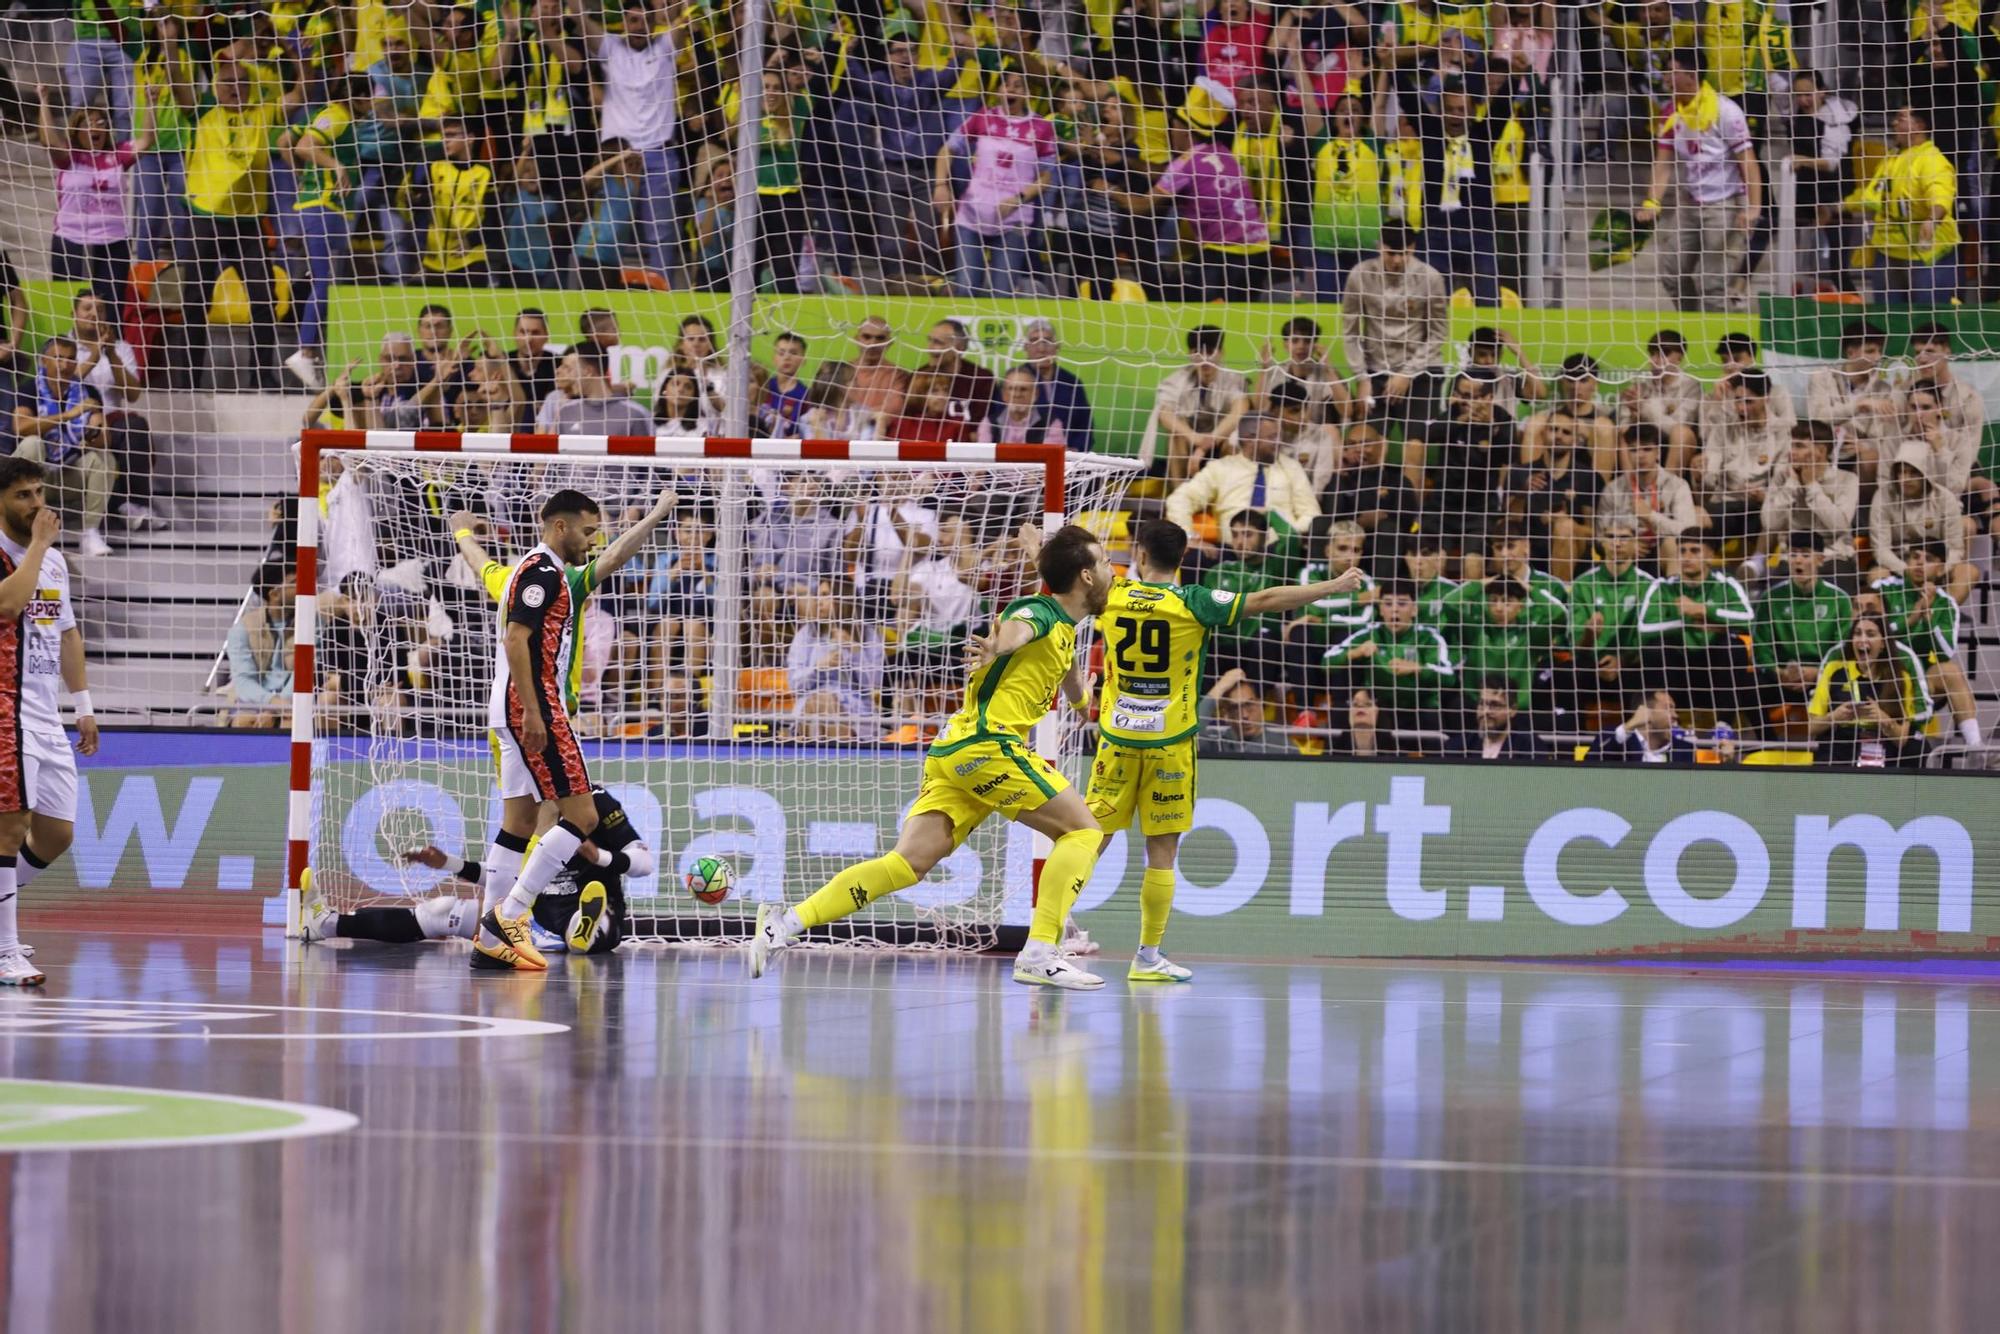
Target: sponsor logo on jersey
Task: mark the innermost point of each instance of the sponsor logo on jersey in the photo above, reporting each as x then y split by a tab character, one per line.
971	766
1223	597
1168	798
983	788
1166	777
1144	595
534	595
45	606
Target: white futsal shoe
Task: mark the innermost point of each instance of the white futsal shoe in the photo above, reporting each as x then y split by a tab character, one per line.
1040	966
16	971
317	920
769	937
1076	941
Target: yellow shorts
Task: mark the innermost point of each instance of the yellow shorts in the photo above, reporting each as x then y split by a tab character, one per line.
982	777
1156	782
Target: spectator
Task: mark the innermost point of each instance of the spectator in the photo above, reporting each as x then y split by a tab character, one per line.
1314	444
905	115
1058	392
1503	645
1688	625
1645	45
495	403
784	222
833	414
1460	227
1869	697
1738	352
1952	454
894	527
1666	398
1232	720
1423	566
534	366
1012	152
1821	131
1651	735
795	546
91	242
1961	413
1017	416
639	109
1509	554
260	650
457	210
1912	202
1658	502
1499	733
1912	507
1256	478
1810	495
969	386
1798	623
1576	393
1604	604
927	412
1199	406
594	406
1347	199
1473	448
325	154
556	111
1404	664
99	59
1362	738
1920	613
1854	397
1395	319
609	237
936	599
109	371
228	194
714	223
15	365
834	665
165	83
678	409
1366	488
389	397
1255	643
1109	242
879	385
1706	176
1742	444
781	409
1487	349
1555	497
438	353
1306	366
1231	242
62	426
695	352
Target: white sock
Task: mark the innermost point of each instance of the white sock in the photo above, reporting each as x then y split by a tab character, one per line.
10	902
26	868
549	857
1969	729
1149	954
447	918
789	925
1035	951
502	866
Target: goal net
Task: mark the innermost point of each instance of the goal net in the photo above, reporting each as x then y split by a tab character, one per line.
757	684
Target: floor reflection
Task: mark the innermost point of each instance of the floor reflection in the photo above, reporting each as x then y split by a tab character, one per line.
891	1144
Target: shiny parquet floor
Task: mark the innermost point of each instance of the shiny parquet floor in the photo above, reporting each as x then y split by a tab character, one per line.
893	1143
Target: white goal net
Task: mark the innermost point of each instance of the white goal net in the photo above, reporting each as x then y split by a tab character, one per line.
757	684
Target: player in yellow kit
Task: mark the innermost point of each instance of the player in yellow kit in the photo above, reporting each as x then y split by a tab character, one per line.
982	763
1155	634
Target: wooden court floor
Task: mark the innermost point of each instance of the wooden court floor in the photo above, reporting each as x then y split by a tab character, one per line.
892	1143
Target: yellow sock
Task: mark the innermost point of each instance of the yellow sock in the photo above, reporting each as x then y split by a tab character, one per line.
855	888
1156	900
1064	875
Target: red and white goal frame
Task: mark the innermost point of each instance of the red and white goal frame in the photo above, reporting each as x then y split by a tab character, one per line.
1052	459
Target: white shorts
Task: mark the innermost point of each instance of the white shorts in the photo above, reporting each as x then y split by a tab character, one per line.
50	762
556	773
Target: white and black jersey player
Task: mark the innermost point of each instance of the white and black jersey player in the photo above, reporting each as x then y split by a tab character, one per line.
582	911
41	653
534	746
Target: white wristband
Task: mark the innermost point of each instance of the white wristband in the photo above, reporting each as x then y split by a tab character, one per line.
84	708
453	865
602	858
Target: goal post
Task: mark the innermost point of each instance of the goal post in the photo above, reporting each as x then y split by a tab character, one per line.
773	714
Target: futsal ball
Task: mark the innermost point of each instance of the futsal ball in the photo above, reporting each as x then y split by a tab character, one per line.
710	880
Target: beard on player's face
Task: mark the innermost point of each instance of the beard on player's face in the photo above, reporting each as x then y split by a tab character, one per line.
18	509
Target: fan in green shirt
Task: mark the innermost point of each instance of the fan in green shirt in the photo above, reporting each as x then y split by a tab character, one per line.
1506	644
1424	564
1799	622
1407	665
1688	625
1334	618
1917	611
1604	607
1254	642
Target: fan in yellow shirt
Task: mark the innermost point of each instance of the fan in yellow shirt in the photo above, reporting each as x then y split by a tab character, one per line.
1912	200
982	763
1148	715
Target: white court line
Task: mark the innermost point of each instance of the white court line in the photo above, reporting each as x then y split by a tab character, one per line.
1438	1166
54	1006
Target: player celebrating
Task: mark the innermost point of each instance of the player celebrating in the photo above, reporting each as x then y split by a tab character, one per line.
1155	642
583	908
982	763
39	645
533	742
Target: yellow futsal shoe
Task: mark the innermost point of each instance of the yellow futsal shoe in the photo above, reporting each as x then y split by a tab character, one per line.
589	915
1157	969
507	942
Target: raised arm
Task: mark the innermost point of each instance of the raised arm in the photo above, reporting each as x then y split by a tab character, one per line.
1290	597
18	588
626	545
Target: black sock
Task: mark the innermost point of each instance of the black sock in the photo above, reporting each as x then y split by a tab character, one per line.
391	926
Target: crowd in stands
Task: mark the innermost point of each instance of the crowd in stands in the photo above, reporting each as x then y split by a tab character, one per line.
1215	151
1547	556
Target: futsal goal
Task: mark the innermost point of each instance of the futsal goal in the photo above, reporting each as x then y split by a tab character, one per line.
757	684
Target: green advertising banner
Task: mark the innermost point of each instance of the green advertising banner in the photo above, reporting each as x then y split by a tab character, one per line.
1120	351
1287	859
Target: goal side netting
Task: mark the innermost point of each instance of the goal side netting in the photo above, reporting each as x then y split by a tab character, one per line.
757	685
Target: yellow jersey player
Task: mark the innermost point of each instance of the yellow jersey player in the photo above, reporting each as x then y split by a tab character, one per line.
1155	634
982	763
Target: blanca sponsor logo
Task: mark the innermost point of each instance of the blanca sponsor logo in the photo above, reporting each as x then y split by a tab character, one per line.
982	789
1168	798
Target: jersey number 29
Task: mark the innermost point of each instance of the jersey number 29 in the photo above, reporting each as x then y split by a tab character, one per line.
1149	639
